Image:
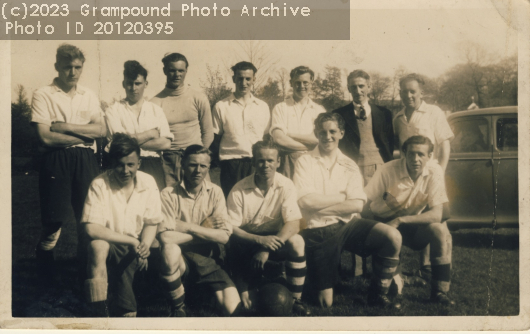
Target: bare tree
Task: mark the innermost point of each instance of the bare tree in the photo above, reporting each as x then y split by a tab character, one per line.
380	85
398	74
284	82
215	87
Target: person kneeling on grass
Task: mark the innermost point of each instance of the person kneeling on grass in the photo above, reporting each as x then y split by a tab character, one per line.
121	214
266	219
409	194
195	222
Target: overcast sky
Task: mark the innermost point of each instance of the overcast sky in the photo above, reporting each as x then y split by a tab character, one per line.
424	40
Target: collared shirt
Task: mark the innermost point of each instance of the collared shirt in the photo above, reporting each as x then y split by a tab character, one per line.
51	104
394	194
255	213
291	117
121	118
240	126
357	109
179	204
428	121
107	205
312	176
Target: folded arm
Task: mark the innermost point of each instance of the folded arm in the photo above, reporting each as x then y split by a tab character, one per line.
56	139
158	144
430	216
95	129
309	140
287	142
344	208
99	232
317	202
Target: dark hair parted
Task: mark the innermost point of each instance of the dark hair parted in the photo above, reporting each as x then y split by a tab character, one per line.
358	74
132	69
121	146
411	77
325	117
418	140
68	53
267	143
301	70
173	58
195	149
243	66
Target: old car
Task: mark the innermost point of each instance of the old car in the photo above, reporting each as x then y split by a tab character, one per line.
482	173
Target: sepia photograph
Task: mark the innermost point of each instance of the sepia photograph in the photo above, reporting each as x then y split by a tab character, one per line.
372	183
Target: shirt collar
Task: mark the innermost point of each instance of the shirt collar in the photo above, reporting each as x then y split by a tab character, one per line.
250	182
139	184
233	99
206	185
404	173
78	89
422	108
289	100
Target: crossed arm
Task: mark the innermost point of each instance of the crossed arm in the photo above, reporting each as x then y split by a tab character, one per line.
61	134
431	216
186	232
330	205
294	142
150	140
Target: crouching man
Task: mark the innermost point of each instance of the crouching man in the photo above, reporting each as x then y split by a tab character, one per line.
409	194
330	196
266	219
121	214
195	222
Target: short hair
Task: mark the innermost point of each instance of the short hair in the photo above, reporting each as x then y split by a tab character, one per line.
68	53
325	117
243	66
418	140
173	58
411	77
358	74
266	144
121	146
132	69
195	149
301	70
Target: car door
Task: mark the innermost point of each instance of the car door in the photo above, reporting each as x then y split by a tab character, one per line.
505	169
469	174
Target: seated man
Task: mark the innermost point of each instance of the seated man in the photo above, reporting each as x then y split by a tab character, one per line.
121	214
195	222
266	219
330	196
409	194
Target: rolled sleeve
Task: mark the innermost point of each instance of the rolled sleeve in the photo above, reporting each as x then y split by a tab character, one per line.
235	208
442	130
354	189
113	121
95	211
436	189
40	111
303	177
220	209
153	209
163	124
96	114
376	187
290	209
169	210
278	121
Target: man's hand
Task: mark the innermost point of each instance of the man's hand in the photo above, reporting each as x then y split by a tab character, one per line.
270	242
142	264
142	250
395	222
259	260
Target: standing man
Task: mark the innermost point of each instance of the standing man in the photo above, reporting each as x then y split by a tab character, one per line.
68	119
141	119
331	196
409	194
292	120
239	121
195	222
188	113
266	219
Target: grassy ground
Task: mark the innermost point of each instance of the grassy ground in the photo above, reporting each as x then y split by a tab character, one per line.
485	279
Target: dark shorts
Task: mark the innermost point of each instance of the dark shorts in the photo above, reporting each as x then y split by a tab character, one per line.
122	264
324	245
153	167
171	164
232	171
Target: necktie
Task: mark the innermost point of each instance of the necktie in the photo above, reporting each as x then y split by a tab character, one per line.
362	113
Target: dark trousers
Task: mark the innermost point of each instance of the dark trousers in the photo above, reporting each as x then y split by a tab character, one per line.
153	167
232	171
171	164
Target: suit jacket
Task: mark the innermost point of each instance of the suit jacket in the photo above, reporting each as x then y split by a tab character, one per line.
382	130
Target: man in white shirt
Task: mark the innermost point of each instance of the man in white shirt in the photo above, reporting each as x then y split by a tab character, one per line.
331	196
141	119
292	120
68	119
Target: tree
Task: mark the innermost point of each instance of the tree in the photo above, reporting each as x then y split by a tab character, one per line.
215	87
380	86
283	78
399	73
328	90
271	93
23	138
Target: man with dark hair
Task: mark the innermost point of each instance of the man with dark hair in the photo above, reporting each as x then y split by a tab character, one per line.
266	219
292	120
121	215
141	119
68	119
330	196
409	194
195	223
188	113
239	121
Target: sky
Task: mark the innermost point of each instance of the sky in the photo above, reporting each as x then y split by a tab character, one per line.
426	39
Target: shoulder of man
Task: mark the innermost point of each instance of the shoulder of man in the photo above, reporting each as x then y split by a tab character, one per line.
343	109
146	180
260	102
348	164
384	110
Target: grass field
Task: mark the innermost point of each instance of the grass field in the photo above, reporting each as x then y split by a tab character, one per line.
485	279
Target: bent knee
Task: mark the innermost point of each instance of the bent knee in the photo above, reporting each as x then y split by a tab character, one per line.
439	231
98	250
296	244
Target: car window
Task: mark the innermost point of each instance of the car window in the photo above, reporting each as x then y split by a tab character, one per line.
507	134
471	135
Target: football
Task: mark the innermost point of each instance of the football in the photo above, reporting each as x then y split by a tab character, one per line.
275	300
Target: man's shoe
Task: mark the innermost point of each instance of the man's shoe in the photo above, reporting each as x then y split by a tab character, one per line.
300	308
414	280
178	312
442	298
382	301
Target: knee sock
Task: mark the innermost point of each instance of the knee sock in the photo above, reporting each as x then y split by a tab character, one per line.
441	274
295	271
173	285
384	269
96	296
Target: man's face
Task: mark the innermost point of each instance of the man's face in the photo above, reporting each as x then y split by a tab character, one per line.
125	169
359	89
196	167
411	94
69	72
134	88
175	74
301	85
266	162
328	136
417	155
243	80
